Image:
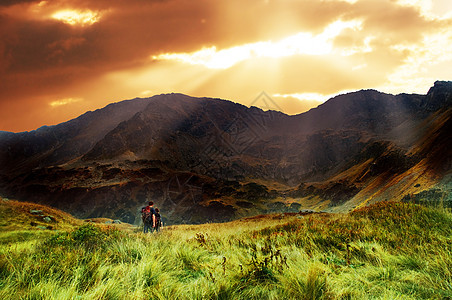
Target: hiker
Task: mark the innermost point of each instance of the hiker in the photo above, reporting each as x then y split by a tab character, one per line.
148	217
158	220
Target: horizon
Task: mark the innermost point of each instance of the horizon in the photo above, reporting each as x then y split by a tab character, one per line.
63	58
272	108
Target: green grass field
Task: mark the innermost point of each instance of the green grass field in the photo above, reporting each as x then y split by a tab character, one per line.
385	251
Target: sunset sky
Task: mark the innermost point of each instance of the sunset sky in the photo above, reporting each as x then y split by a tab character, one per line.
60	58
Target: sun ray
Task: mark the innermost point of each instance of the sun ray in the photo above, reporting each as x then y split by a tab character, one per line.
300	43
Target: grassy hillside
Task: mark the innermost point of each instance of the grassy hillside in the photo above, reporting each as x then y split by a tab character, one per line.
385	251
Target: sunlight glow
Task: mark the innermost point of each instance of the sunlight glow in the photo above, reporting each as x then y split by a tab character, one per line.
348	1
365	48
74	17
426	60
359	67
300	43
423	5
146	93
431	9
64	101
306	96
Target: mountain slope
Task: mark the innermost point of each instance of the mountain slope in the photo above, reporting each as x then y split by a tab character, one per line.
64	142
203	159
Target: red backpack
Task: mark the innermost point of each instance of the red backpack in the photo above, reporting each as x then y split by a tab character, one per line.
146	214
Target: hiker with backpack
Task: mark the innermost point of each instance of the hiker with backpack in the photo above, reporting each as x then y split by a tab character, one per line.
148	217
158	220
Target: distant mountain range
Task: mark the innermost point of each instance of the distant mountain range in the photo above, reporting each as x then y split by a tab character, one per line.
203	159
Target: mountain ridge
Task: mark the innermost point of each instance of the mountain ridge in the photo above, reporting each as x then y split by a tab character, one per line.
207	159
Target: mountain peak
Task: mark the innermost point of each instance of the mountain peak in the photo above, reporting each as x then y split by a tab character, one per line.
439	96
442	83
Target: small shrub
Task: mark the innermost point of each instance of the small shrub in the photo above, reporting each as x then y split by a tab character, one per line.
89	235
201	239
60	239
265	262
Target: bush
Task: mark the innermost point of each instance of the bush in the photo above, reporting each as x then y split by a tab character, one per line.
88	236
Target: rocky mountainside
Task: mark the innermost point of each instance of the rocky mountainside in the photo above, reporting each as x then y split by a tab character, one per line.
61	143
203	159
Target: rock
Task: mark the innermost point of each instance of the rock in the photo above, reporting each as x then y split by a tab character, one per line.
107	222
307	211
47	219
41	227
36	211
117	222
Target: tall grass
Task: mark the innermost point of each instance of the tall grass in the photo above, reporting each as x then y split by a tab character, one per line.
386	251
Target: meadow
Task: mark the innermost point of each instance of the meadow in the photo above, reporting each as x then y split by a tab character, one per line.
385	251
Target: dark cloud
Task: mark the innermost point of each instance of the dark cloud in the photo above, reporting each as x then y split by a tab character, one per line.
121	37
14	2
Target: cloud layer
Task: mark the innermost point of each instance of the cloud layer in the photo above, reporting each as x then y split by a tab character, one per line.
98	51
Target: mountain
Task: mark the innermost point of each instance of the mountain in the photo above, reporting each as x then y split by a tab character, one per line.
204	159
64	142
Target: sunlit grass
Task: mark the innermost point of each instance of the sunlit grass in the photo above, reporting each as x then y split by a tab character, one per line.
387	251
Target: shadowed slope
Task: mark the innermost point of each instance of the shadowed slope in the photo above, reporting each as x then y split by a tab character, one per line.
225	160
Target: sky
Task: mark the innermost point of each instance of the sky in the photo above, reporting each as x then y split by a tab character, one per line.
61	58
